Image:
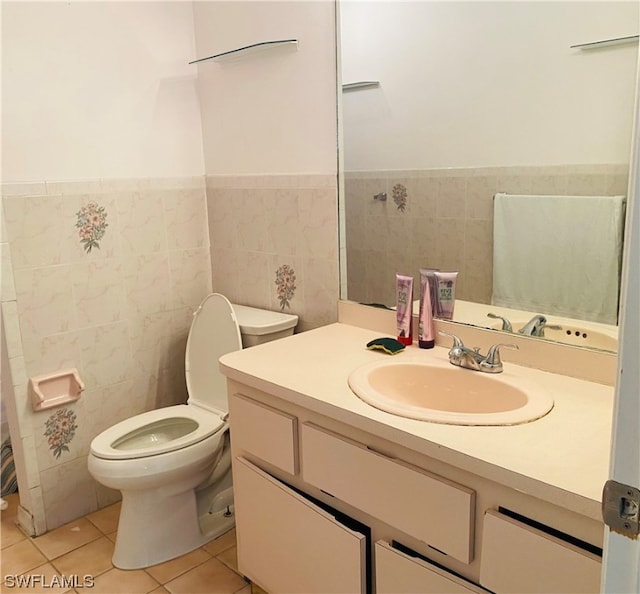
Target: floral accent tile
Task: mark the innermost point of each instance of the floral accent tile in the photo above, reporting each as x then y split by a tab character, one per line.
91	225
400	196
285	285
60	429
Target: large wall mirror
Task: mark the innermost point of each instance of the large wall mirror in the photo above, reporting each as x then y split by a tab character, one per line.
446	104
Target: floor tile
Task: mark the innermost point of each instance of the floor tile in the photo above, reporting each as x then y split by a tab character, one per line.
119	581
20	557
223	542
66	538
85	547
92	559
11	534
106	519
230	558
212	577
255	589
164	572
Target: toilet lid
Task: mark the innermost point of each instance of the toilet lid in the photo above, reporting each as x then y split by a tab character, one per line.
156	432
214	332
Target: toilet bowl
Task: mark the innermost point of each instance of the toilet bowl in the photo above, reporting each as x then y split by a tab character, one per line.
173	465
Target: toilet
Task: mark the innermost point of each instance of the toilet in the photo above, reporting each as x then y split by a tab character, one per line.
173	465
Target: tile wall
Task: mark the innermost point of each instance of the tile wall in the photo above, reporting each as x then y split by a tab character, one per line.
274	243
102	276
443	218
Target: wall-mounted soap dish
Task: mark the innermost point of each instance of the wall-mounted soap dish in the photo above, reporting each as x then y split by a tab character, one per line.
54	389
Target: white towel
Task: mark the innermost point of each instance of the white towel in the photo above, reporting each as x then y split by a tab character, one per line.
558	254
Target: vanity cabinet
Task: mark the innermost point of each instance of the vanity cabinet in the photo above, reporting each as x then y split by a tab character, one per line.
398	572
420	504
324	507
517	557
268	433
288	544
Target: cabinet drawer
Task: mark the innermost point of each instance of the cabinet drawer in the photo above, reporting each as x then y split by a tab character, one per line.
286	544
264	432
520	558
399	573
432	509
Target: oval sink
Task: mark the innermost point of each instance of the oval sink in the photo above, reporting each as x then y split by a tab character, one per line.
448	394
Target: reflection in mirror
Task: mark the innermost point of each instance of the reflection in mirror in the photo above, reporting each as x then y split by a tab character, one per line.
474	99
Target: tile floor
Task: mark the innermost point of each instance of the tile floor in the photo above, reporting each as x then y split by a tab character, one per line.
84	547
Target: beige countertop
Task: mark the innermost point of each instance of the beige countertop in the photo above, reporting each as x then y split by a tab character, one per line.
562	458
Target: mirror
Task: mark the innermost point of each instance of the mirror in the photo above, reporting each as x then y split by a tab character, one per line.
468	99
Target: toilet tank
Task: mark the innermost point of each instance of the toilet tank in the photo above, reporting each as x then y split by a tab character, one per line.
260	325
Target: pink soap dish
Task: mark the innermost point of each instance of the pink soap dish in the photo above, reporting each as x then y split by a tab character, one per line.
54	389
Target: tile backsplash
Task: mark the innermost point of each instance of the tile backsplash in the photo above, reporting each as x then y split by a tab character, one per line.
443	218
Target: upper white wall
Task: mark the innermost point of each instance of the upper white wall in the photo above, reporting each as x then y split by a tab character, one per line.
99	90
273	111
467	84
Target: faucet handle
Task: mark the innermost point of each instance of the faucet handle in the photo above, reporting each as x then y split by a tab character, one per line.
492	361
457	343
506	324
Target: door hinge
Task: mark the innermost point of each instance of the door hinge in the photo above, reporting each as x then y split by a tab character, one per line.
621	508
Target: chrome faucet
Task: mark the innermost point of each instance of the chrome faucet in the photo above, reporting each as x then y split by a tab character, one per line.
463	356
536	325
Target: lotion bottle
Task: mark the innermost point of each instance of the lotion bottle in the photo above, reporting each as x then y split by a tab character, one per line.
426	330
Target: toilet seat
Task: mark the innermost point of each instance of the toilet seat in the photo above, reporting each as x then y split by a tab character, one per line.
157	432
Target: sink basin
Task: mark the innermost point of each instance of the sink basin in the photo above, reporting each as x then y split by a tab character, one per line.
442	393
573	335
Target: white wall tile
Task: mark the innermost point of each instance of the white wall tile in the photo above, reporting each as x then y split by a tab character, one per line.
186	219
98	292
68	492
12	328
147	283
190	276
318	224
105	355
141	222
34	225
45	300
44	354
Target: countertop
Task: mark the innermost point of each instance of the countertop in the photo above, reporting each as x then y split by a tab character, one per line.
562	458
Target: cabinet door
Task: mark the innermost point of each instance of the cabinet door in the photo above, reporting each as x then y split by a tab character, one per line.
398	573
430	508
519	558
264	432
286	544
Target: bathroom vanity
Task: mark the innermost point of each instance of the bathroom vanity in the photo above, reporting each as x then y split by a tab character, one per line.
334	495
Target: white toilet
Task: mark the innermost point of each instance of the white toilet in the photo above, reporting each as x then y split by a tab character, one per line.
173	465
